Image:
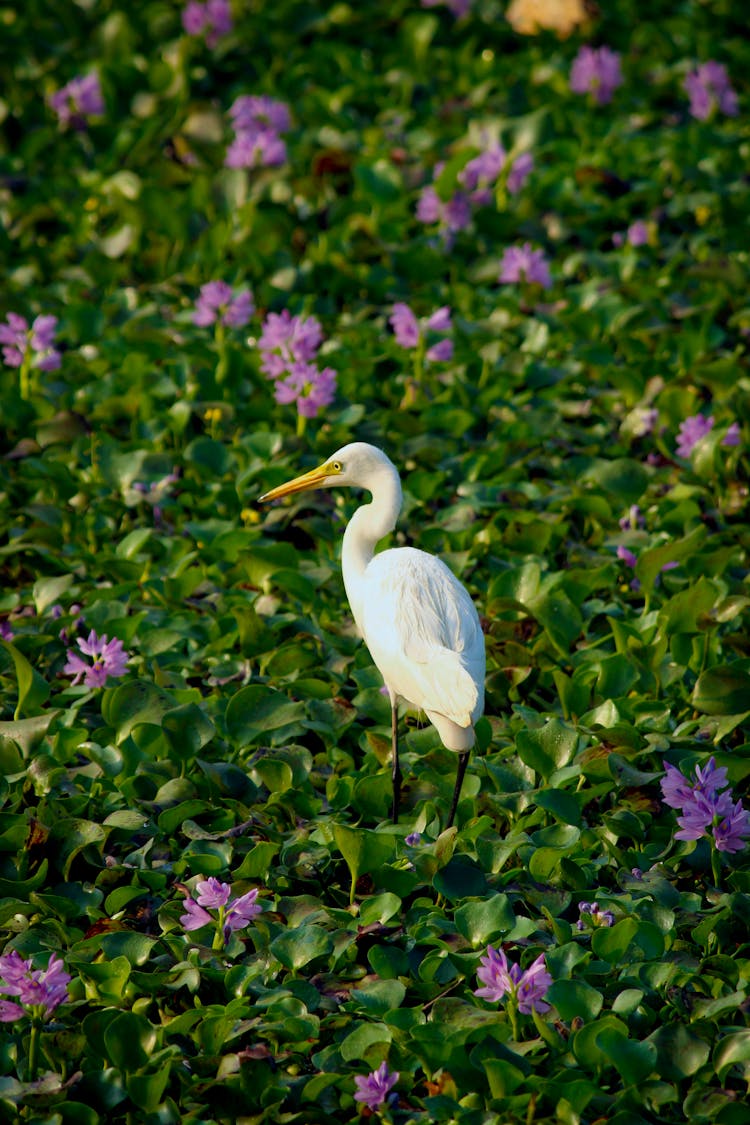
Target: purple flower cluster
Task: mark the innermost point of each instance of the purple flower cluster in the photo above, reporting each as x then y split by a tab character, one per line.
219	301
212	19
289	345
527	989
257	121
591	917
78	100
707	808
233	913
411	333
375	1090
691	432
19	342
709	89
478	180
37	991
596	70
109	659
522	263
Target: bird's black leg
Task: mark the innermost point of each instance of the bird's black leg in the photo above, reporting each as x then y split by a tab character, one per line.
463	761
395	767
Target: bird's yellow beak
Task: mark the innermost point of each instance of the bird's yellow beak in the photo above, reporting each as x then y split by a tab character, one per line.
314	479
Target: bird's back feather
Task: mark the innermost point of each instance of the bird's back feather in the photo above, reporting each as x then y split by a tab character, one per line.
423	633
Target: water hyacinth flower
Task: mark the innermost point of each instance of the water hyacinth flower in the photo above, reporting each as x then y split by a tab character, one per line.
109	660
522	263
78	100
288	346
709	89
33	345
524	989
375	1089
36	992
691	432
231	913
413	333
483	171
451	215
732	436
596	71
217	300
592	917
707	808
212	19
258	121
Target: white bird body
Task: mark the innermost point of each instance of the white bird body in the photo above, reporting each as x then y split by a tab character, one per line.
417	620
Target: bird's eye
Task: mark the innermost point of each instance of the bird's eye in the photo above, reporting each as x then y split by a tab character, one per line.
336	466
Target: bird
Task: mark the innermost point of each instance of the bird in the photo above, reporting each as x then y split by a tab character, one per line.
419	623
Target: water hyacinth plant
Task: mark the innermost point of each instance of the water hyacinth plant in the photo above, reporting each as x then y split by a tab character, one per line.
230	233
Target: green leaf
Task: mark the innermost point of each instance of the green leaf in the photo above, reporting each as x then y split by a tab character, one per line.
634	1061
681	1052
297	947
732	1050
363	850
33	690
612	942
129	1040
723	690
480	922
255	711
547	748
574	999
134	703
28	733
369	1041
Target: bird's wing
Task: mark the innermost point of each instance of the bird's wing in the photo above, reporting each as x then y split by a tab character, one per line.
423	632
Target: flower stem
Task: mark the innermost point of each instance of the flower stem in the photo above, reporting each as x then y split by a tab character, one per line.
32	1062
24	376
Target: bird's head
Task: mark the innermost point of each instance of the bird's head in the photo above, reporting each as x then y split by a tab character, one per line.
355	464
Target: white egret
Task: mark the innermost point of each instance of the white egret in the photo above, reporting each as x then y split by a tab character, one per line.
416	618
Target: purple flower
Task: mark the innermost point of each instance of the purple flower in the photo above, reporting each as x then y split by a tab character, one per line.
706	806
521	263
78	100
38	991
219	301
677	790
405	325
527	988
638	233
692	431
708	88
212	19
451	216
596	70
6	633
233	913
373	1090
257	121
732	436
109	660
19	342
413	839
592	917
520	170
286	339
308	386
410	332
732	828
626	556
288	345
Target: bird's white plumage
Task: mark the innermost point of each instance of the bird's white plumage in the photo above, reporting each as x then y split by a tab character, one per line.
424	635
416	618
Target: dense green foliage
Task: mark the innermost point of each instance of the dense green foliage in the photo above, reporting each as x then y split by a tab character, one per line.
249	739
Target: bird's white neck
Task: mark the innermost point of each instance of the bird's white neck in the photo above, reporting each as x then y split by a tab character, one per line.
368	525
